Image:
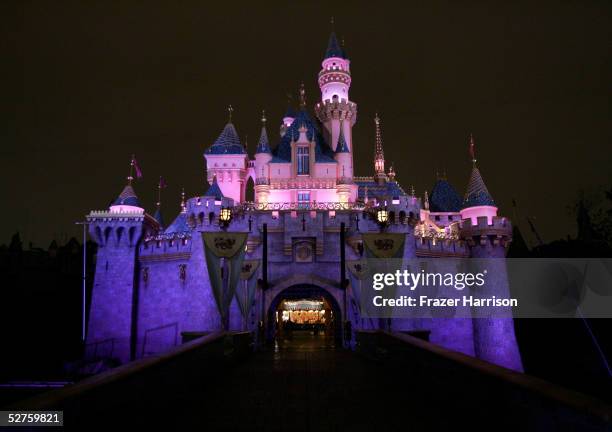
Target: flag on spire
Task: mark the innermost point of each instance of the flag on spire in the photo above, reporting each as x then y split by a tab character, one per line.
136	167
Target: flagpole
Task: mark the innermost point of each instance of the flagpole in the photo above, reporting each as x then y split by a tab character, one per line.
130	177
84	277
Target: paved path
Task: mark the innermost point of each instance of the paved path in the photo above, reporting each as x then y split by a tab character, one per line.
306	386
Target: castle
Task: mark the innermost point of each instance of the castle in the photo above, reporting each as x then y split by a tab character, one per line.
154	284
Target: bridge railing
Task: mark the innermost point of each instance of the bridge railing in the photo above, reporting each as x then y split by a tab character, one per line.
474	387
144	382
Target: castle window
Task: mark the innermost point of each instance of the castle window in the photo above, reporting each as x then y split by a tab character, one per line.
303	198
303	160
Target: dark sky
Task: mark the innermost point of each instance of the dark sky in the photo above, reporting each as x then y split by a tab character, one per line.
85	84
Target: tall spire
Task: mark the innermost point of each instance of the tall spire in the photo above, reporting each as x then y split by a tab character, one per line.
333	47
342	146
379	155
263	146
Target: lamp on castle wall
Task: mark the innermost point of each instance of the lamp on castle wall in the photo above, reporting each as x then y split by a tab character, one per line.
225	217
382	217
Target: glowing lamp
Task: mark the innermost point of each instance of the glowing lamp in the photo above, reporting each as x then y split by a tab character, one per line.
225	217
382	216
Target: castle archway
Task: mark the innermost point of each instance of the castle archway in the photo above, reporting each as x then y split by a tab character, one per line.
304	316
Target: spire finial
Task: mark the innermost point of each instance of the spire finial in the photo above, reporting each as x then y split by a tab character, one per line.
426	203
230	111
183	206
412	191
472	149
379	155
331	21
130	176
263	117
302	96
134	167
161	185
391	173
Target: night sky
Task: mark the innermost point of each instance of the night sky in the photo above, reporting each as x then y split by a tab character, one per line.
86	84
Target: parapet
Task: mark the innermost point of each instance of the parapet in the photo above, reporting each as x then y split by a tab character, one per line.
341	109
498	232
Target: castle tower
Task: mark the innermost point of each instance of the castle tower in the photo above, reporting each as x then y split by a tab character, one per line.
379	155
263	156
493	329
488	237
478	201
336	109
117	231
227	160
345	168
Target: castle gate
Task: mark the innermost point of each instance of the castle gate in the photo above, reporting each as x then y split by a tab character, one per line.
304	316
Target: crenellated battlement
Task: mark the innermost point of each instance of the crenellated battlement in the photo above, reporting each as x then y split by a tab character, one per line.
336	109
433	247
496	233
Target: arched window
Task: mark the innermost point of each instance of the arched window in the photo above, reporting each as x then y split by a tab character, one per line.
107	233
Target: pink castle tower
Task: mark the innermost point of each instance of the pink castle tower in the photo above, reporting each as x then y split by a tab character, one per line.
228	162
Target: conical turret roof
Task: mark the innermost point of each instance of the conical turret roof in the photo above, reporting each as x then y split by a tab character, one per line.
158	217
333	47
477	193
127	197
228	142
214	190
444	197
342	147
263	146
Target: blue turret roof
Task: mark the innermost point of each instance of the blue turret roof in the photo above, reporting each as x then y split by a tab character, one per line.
282	152
477	193
387	190
444	198
263	146
179	225
158	217
127	197
333	47
342	147
227	142
214	190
